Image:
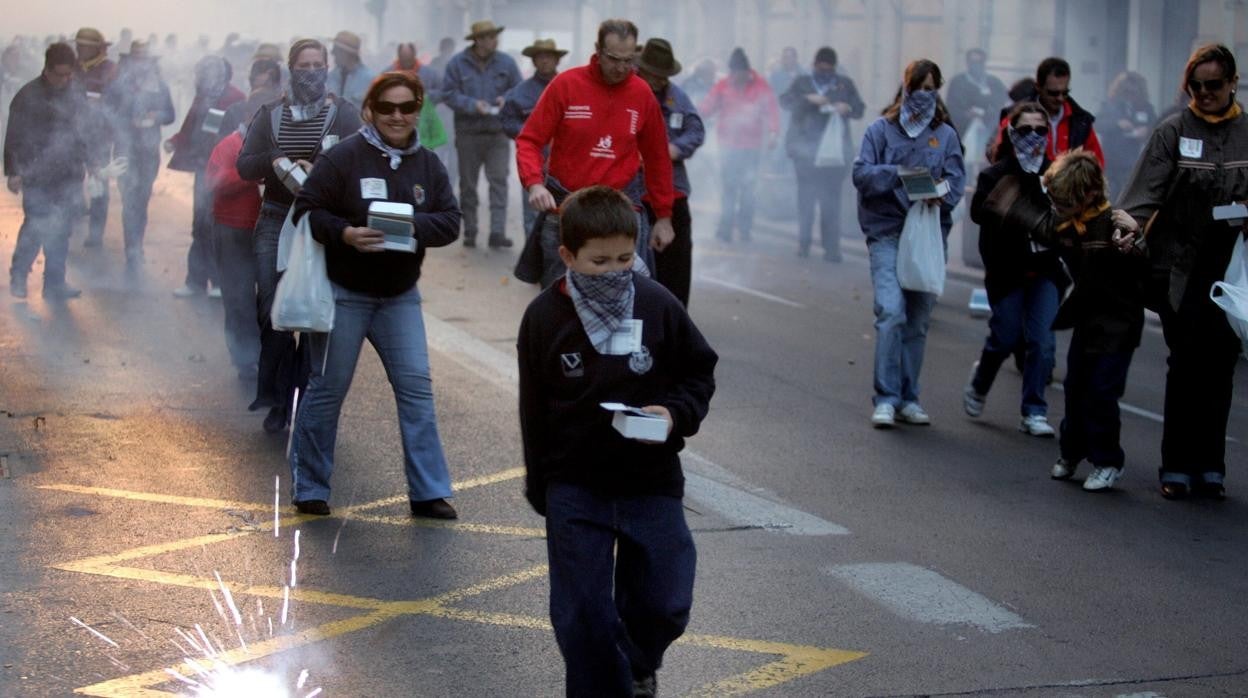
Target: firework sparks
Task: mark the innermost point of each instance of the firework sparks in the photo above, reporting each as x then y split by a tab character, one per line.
95	632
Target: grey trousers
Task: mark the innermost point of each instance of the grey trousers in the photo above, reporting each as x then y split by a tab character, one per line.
493	152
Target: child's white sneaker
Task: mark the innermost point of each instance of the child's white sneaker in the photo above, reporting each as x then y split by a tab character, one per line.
1101	479
973	402
1063	469
1036	425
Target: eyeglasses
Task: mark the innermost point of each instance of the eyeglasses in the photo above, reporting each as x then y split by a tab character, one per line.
1214	85
1058	94
387	108
604	56
1028	130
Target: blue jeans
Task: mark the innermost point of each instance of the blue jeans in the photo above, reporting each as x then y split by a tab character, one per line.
621	584
901	320
47	226
738	172
1024	315
396	329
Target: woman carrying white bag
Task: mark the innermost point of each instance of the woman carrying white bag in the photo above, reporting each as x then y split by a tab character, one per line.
914	132
374	275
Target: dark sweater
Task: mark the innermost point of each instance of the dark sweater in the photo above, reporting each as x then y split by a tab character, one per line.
47	142
260	147
1004	189
567	436
332	197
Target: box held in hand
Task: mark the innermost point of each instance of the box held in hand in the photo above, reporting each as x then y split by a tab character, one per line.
212	121
394	220
632	423
1233	214
291	174
920	184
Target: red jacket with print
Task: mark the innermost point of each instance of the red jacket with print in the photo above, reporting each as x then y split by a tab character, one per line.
598	134
744	116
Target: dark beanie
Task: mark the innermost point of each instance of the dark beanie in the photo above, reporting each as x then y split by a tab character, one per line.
738	61
826	55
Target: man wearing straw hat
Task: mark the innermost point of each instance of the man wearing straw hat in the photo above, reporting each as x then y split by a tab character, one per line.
519	102
476	80
94	73
350	78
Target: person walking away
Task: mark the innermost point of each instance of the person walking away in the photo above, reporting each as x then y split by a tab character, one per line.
350	78
1191	164
914	132
1024	281
1105	310
621	557
45	158
814	101
94	73
306	121
191	146
476	80
673	267
519	102
376	293
139	105
747	120
1128	118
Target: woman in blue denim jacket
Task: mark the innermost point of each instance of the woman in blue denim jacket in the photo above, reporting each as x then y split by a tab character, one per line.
913	132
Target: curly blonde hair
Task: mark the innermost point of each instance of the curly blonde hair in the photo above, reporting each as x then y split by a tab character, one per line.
1075	180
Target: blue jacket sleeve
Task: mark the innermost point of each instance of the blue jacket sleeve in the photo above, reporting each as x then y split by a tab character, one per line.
512	115
453	90
693	132
954	171
871	175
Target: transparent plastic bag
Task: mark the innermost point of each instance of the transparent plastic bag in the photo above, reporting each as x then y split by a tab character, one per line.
921	251
1231	293
304	301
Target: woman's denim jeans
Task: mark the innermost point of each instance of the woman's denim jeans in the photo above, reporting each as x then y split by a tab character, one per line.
901	319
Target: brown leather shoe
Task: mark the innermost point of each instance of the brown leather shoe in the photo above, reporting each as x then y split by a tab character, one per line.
434	509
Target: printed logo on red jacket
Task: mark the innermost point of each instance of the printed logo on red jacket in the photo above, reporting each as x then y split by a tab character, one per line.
578	111
603	149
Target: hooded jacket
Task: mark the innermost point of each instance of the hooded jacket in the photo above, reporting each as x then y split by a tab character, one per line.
745	115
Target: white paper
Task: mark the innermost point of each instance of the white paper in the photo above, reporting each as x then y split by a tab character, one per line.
1191	147
676	120
372	188
625	340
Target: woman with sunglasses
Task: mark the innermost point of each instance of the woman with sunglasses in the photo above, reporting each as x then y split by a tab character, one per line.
1023	281
294	130
1195	160
913	132
375	291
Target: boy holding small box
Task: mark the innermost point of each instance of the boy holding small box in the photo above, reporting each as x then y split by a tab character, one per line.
621	556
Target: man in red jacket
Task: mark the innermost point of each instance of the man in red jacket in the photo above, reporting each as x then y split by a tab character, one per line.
747	121
602	123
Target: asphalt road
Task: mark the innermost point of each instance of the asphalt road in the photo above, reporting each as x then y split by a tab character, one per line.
834	560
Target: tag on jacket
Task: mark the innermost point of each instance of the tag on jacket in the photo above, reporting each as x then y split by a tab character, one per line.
676	120
1191	147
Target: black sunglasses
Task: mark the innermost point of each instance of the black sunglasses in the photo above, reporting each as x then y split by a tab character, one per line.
1028	130
1057	93
387	108
1214	85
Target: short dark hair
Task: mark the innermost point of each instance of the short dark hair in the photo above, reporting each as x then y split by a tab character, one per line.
393	78
976	52
1216	53
262	66
59	53
1052	66
620	27
826	54
595	212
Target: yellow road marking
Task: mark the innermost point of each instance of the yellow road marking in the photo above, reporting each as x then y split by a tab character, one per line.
159	498
518	531
502	476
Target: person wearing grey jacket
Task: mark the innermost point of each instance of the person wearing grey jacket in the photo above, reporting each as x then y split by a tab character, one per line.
474	86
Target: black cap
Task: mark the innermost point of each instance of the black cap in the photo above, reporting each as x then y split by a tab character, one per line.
738	61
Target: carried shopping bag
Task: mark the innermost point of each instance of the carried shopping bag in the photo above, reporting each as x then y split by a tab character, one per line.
1231	293
921	252
304	301
831	152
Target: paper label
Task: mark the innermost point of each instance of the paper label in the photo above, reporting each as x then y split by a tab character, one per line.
372	188
330	140
626	340
676	120
1191	147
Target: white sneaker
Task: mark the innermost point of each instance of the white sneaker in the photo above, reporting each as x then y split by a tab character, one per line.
214	292
884	416
1036	425
1101	479
972	401
1063	469
186	291
912	413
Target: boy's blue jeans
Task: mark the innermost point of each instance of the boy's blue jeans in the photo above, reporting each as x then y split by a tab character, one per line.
396	329
901	320
621	584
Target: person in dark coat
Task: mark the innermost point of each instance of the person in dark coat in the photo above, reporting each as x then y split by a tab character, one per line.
94	73
975	94
1126	119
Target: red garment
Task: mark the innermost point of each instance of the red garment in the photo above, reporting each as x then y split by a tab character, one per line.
598	134
235	201
747	115
414	71
1092	145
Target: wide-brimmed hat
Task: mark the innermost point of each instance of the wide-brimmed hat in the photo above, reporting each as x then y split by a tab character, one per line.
272	52
140	51
90	37
347	41
483	28
543	46
657	59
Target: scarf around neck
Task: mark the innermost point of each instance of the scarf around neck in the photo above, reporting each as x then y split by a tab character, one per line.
373	136
917	111
603	302
1233	111
1029	150
1080	222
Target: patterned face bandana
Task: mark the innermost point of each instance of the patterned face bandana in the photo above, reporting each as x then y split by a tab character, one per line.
917	111
603	302
374	139
308	86
1029	149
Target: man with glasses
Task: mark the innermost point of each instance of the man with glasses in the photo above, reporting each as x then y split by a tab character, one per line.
1070	125
601	122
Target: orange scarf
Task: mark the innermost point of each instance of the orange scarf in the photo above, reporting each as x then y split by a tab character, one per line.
1080	222
1231	113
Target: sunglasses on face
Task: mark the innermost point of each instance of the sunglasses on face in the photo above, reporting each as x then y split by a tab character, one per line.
1214	85
1028	130
1058	94
388	108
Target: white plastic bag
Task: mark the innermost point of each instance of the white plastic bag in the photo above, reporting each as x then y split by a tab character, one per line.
976	141
304	301
831	152
1231	293
284	239
921	252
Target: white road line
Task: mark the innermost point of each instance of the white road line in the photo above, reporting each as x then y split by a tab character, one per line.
751	292
712	486
921	595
